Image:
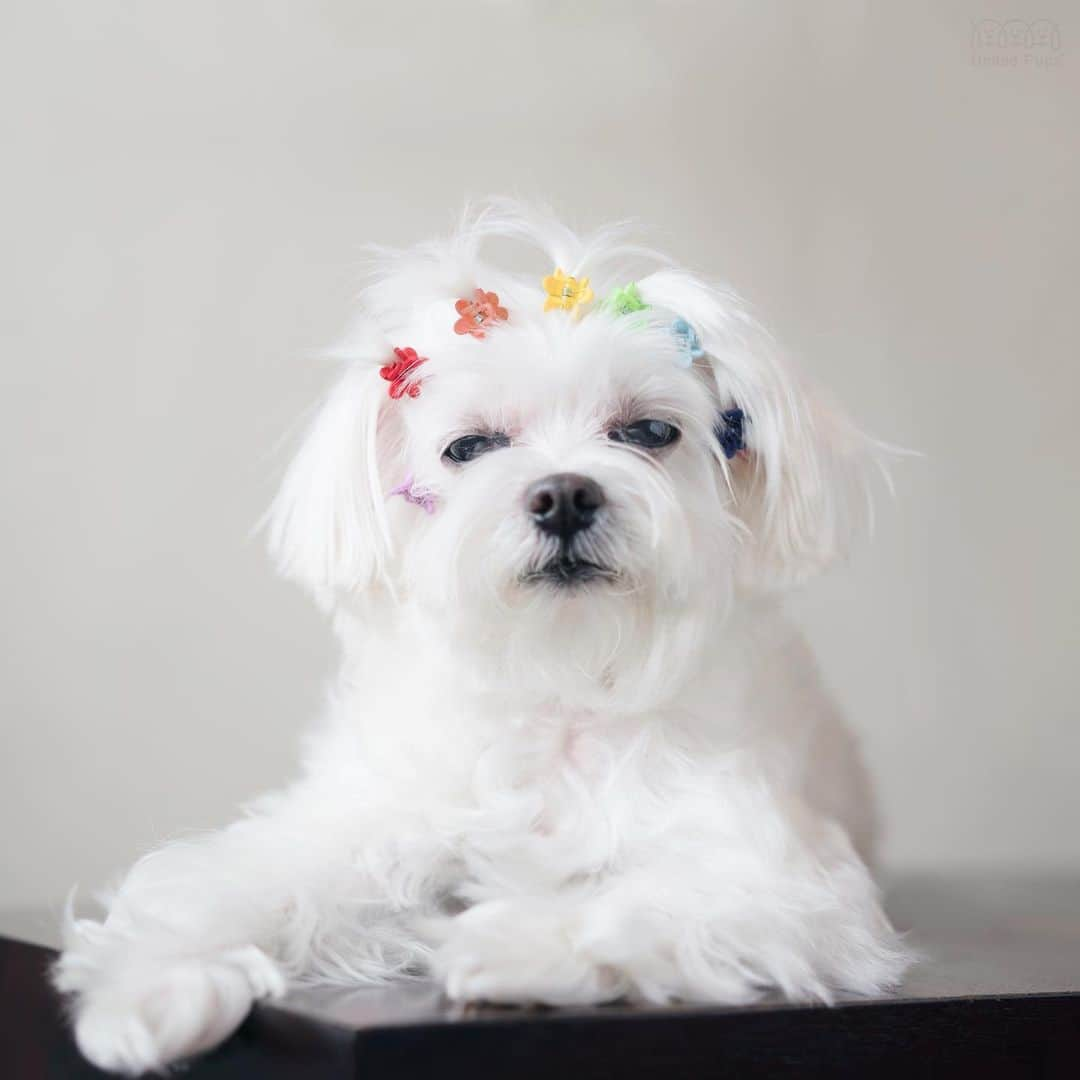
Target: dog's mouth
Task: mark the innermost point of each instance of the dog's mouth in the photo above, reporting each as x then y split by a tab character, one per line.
567	572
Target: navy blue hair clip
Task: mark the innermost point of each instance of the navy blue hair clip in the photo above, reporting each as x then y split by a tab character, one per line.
729	431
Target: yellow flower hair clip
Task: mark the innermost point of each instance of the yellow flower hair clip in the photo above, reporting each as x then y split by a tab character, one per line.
565	293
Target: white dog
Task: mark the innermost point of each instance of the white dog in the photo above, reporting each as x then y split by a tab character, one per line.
575	752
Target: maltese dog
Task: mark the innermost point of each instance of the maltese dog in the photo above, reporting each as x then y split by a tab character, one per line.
575	752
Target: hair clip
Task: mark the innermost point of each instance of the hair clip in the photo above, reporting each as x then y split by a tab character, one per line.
625	301
397	373
483	308
566	293
730	431
418	496
689	343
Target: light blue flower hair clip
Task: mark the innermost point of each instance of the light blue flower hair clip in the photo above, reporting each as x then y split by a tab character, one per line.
689	343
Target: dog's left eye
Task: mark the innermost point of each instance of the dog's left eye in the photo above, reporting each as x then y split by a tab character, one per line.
648	434
470	446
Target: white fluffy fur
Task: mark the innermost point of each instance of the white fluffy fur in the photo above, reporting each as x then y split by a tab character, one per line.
637	788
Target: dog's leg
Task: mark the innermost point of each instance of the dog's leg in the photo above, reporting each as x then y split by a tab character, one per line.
717	924
200	929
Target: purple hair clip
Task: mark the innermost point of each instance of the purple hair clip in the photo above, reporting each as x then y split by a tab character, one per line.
418	496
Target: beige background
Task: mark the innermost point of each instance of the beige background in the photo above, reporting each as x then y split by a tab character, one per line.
186	190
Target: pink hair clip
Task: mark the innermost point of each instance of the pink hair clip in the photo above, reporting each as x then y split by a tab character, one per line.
418	496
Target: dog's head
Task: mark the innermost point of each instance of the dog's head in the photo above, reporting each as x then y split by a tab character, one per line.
572	473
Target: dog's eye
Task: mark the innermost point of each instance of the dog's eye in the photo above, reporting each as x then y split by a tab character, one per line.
648	434
470	446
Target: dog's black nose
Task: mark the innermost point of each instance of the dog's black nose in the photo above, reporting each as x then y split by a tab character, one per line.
564	503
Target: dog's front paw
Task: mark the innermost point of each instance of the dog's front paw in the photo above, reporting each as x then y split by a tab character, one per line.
143	1020
517	952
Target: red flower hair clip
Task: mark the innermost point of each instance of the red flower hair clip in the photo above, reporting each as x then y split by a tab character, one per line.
398	371
476	313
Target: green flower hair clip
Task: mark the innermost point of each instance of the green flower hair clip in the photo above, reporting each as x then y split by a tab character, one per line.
625	301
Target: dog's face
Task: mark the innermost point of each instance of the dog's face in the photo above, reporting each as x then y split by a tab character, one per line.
569	457
575	498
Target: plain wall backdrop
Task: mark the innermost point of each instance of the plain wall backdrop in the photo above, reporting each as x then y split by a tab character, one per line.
187	188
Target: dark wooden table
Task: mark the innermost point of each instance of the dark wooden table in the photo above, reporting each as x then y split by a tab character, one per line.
998	995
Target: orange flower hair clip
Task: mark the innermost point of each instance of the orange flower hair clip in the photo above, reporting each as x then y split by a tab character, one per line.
478	312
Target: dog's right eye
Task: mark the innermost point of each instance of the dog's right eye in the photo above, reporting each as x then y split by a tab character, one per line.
470	446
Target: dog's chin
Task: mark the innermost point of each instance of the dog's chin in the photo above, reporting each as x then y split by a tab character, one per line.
564	573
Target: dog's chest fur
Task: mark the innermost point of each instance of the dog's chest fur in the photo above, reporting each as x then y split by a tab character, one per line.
568	795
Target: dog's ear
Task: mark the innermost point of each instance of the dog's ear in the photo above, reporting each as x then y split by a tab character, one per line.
327	527
801	472
802	481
